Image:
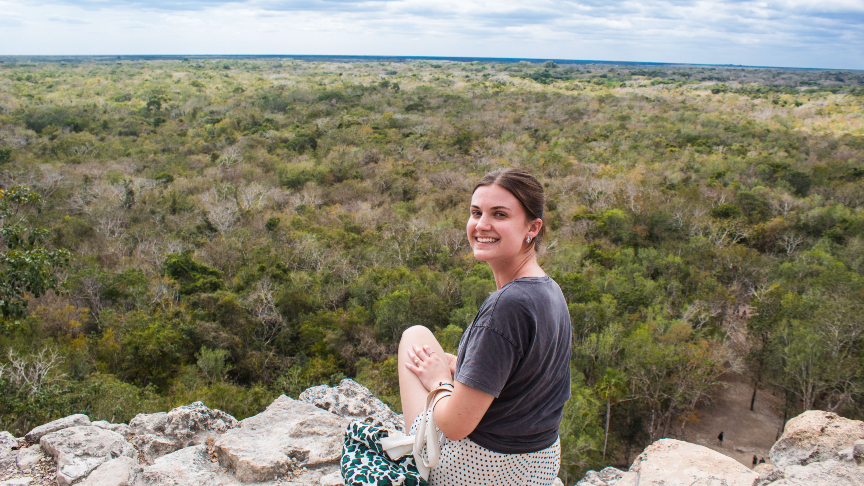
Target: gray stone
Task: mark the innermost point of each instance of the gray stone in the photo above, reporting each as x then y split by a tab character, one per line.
121	429
59	424
161	433
29	457
17	481
79	450
670	462
767	475
814	436
123	471
332	479
353	400
607	477
7	455
858	451
830	472
288	435
187	467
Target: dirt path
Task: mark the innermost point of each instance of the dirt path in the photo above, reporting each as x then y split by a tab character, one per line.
744	432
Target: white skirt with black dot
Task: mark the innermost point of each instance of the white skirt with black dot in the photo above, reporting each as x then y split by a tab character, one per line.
465	463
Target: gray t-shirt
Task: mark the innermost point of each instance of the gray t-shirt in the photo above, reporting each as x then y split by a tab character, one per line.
518	350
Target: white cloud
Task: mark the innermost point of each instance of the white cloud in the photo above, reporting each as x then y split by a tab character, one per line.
180	19
800	33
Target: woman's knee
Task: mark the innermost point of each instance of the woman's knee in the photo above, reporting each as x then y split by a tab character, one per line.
418	335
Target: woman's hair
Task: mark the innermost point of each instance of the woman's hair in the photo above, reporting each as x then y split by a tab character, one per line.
526	189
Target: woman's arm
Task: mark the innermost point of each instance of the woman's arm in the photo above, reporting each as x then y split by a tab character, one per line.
451	361
458	415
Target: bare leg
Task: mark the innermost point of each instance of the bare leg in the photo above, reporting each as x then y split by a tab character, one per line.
411	390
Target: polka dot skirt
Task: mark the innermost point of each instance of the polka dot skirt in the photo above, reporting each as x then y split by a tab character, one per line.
465	463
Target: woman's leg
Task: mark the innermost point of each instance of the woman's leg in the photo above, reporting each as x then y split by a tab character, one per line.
411	390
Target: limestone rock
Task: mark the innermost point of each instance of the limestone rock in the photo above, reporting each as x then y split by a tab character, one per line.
814	436
332	479
7	455
288	435
29	457
121	429
161	433
189	466
79	450
123	471
17	482
828	472
763	469
607	477
59	424
858	451
353	400
670	462
557	482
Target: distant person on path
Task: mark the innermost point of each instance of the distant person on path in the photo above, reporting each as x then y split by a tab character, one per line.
755	460
511	376
762	461
720	437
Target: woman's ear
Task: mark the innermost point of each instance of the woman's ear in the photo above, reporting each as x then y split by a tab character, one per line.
534	228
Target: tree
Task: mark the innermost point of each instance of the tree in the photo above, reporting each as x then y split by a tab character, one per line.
611	387
26	265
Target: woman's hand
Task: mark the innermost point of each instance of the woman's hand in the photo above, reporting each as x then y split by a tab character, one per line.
428	366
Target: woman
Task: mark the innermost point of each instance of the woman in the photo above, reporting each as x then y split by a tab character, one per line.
512	375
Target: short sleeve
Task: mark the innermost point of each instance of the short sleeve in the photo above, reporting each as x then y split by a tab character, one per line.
487	360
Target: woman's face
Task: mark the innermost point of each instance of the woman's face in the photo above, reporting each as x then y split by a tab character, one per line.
497	227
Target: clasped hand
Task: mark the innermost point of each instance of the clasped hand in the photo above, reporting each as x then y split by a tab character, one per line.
430	368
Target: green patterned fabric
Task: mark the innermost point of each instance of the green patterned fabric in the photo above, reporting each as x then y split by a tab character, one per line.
364	462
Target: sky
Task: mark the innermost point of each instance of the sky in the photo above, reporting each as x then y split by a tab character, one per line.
783	33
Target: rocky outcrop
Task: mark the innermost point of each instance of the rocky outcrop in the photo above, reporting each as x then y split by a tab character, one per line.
830	472
670	462
607	477
817	448
79	450
59	424
353	400
157	434
191	465
858	452
123	471
299	443
7	454
287	436
29	457
815	436
121	429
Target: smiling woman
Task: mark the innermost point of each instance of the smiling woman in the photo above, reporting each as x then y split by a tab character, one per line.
511	377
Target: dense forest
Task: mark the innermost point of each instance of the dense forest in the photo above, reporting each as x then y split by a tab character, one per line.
229	230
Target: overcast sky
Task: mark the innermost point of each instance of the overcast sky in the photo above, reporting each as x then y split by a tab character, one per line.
791	33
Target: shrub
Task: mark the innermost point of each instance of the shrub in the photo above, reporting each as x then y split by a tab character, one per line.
725	211
302	142
164	177
193	277
272	223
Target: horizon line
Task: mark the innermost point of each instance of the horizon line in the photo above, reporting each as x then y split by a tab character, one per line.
48	58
